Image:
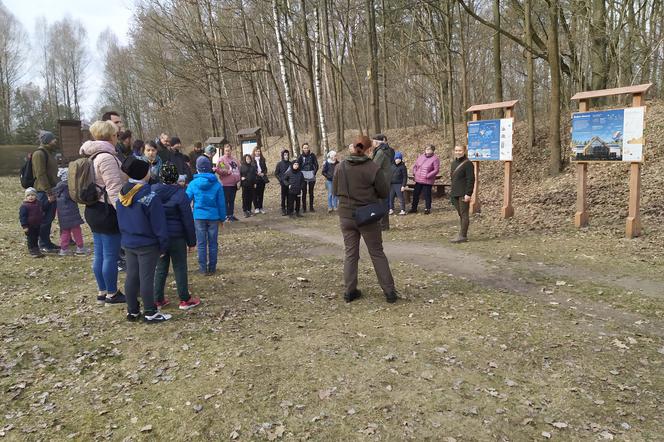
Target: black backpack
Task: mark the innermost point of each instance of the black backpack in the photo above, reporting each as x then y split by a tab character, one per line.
27	175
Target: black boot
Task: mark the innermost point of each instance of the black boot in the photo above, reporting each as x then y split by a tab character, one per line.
352	296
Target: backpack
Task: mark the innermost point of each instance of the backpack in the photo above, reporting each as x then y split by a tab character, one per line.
27	175
83	187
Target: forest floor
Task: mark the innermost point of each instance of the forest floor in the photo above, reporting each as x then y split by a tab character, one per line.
517	335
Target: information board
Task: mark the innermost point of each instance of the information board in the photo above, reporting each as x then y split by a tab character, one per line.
490	140
610	135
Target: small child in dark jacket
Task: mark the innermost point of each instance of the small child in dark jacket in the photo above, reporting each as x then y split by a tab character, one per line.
69	218
294	179
142	224
282	167
181	233
398	183
30	215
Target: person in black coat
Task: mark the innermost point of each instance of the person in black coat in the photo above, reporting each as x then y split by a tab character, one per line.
462	175
261	179
248	183
398	184
294	180
309	167
282	167
180	159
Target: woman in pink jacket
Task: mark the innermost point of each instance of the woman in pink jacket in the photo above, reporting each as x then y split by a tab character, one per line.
426	169
228	170
101	216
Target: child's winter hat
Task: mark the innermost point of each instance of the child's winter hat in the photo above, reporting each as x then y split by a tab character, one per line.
182	178
398	156
135	168
45	137
30	191
63	174
210	150
203	164
169	173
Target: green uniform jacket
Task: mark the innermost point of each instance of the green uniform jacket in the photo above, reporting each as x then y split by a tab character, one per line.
45	169
384	162
463	182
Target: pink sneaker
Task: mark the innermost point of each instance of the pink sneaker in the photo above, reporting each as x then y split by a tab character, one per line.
163	303
193	302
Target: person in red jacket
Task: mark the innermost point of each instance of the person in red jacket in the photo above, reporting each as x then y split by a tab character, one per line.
426	169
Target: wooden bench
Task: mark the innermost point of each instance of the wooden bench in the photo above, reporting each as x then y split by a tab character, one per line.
438	190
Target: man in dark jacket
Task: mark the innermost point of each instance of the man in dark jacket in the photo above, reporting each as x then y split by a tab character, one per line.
282	167
163	148
197	152
294	182
309	166
462	176
383	155
398	183
123	147
178	158
45	170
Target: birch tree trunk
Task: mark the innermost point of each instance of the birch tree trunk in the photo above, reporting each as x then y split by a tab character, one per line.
292	134
317	81
554	104
497	64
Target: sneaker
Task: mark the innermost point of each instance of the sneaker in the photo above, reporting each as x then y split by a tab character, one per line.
82	251
101	298
352	296
64	252
261	211
50	250
122	265
427	211
403	212
118	298
391	212
36	253
133	317
157	317
247	214
257	211
191	303
163	303
392	297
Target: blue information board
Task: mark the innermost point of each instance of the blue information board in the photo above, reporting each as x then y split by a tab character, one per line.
610	135
490	140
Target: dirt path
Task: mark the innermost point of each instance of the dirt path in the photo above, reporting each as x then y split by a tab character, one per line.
505	277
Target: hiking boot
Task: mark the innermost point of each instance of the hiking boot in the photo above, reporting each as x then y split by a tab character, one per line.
66	252
157	317
459	239
392	297
118	298
352	296
189	304
427	211
82	251
163	303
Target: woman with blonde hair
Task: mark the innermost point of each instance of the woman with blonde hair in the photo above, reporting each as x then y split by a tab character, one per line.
101	216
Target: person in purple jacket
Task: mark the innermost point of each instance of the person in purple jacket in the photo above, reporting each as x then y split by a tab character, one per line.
426	169
30	216
181	233
69	218
142	223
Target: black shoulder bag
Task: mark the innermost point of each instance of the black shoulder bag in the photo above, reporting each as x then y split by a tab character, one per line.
366	214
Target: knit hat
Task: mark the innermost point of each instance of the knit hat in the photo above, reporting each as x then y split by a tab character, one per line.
169	173
135	168
45	137
203	164
209	150
63	174
380	137
398	156
30	191
174	141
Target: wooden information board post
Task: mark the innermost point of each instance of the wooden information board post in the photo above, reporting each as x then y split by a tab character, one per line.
581	218
475	204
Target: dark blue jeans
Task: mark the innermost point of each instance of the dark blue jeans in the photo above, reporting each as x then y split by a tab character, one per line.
49	216
229	194
105	263
206	240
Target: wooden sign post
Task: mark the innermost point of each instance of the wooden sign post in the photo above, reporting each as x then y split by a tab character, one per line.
582	216
475	204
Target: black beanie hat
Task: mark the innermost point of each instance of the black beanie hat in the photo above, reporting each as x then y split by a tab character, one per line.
169	173
175	141
135	168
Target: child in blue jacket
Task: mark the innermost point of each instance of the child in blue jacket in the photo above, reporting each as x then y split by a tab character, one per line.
181	233
142	222
207	194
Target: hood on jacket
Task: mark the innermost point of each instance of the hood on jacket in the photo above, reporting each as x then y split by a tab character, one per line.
129	192
283	152
354	159
165	191
206	180
92	147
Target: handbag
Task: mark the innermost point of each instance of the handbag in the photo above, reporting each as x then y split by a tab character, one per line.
367	214
308	175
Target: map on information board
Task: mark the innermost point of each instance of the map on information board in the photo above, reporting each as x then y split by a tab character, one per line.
490	140
610	135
